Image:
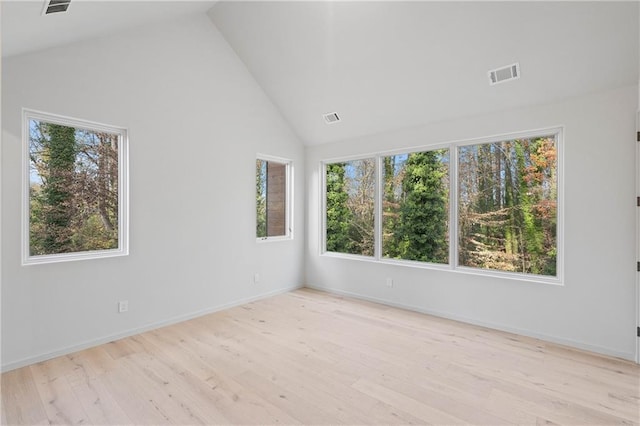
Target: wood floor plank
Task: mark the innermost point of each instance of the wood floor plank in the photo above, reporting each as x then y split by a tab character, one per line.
21	403
461	408
291	399
308	357
3	414
423	410
95	360
137	401
224	399
60	402
97	402
335	395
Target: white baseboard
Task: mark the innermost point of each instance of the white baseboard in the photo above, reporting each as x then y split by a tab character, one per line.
528	333
131	332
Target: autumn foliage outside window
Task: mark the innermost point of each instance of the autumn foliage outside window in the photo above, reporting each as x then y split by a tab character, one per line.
508	205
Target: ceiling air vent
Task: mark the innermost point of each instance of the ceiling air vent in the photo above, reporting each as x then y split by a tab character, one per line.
55	6
331	118
500	75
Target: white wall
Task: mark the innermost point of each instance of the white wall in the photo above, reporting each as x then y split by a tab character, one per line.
196	120
595	308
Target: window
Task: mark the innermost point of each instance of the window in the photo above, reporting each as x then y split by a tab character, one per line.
273	194
491	207
75	201
508	205
415	206
350	189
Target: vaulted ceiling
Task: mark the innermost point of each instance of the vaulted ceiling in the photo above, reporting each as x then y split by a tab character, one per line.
383	65
25	29
387	65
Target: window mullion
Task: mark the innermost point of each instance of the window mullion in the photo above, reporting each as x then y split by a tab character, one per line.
378	209
453	209
322	238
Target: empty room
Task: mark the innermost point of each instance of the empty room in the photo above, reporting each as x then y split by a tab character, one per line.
320	212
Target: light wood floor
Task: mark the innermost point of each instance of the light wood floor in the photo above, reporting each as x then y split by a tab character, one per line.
307	357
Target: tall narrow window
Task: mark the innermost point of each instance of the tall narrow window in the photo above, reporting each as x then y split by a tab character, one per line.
75	197
415	206
350	211
273	217
507	205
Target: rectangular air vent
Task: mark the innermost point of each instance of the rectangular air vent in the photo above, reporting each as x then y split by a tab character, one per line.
500	75
55	6
331	118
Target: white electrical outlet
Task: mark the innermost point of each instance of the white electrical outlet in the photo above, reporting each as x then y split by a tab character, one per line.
123	306
256	278
389	282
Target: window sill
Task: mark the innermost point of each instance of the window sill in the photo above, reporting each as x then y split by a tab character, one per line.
274	239
537	279
69	257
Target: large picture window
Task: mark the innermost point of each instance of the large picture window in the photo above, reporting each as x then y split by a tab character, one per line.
75	191
490	206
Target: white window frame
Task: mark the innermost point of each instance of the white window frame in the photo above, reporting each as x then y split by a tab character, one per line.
288	201
123	189
453	265
323	206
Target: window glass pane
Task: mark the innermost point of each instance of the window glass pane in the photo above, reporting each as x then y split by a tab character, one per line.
350	214
261	198
271	199
73	189
415	206
507	205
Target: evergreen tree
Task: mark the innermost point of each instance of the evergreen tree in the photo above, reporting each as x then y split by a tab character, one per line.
339	215
57	188
390	208
422	227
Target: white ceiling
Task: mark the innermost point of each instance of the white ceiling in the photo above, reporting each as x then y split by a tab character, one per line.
380	65
25	29
387	65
